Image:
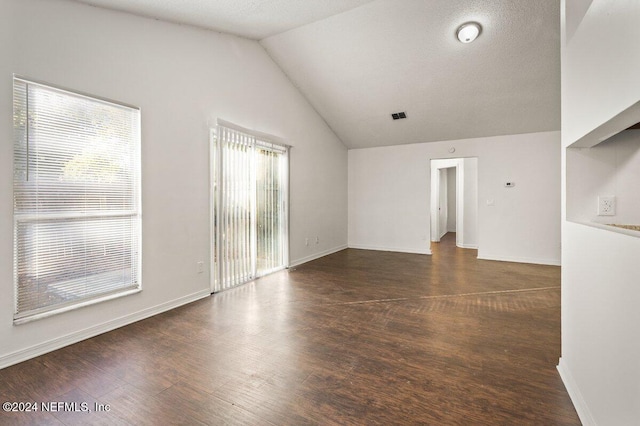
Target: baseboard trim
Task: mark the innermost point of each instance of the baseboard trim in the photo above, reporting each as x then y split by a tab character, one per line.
394	249
574	393
468	246
552	262
315	256
75	337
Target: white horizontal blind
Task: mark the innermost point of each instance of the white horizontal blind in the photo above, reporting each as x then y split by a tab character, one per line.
249	208
76	199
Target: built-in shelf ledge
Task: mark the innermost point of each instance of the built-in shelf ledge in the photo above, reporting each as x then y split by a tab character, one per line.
630	227
631	230
625	120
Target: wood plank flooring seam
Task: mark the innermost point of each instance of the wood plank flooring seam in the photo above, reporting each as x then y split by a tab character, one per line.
440	296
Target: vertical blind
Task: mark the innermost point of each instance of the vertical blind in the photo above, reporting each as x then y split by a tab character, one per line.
249	209
76	199
233	218
270	213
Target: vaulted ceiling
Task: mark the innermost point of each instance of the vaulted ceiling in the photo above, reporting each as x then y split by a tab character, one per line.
358	61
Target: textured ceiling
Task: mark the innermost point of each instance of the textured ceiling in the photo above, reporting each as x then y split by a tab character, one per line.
358	67
255	19
357	61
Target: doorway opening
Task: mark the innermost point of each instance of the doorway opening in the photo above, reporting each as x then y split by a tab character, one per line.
454	200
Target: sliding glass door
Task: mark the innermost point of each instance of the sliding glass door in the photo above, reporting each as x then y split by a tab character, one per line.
271	223
249	217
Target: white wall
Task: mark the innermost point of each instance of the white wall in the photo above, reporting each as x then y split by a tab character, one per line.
600	291
600	345
389	193
451	199
600	74
610	168
182	79
470	215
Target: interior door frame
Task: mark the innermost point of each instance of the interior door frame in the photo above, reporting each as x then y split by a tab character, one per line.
436	166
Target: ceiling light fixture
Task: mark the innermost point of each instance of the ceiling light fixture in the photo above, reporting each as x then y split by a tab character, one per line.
468	32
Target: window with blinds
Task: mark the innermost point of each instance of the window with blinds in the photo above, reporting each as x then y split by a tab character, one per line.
250	194
76	200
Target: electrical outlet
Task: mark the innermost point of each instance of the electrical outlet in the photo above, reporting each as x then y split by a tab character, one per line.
607	205
306	241
200	266
317	240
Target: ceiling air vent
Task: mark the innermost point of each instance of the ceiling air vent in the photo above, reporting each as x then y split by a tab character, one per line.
399	115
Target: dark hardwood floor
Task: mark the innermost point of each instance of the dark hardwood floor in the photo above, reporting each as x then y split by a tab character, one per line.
357	337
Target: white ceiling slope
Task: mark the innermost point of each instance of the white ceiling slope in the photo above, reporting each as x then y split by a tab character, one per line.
255	19
357	61
358	67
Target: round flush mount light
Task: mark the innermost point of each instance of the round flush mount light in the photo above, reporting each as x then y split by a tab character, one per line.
468	32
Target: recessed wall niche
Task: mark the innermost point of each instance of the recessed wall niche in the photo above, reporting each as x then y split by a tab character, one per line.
603	175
